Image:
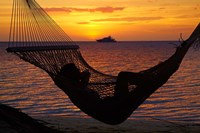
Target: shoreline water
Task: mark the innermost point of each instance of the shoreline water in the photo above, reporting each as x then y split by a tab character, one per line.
13	120
89	125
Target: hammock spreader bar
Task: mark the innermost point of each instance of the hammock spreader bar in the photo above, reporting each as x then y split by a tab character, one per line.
41	48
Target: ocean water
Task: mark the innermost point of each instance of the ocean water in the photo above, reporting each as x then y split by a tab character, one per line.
29	88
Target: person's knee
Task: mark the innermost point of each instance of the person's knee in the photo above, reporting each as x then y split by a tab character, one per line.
126	75
122	74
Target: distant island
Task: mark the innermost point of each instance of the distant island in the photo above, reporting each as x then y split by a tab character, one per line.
106	39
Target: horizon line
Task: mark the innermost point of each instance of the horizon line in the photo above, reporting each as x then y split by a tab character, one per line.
95	41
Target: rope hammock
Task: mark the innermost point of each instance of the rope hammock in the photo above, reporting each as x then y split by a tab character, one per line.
36	38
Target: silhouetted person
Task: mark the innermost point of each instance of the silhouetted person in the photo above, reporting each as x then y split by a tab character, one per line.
71	73
80	80
75	84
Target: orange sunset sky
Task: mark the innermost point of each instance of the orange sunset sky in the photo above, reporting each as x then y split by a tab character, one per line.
125	20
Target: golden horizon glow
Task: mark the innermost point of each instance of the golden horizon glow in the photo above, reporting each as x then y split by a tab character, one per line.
124	20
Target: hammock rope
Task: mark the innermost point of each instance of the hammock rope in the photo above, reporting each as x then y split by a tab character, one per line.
36	38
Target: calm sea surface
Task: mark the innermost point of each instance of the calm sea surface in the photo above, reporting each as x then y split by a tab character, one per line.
29	88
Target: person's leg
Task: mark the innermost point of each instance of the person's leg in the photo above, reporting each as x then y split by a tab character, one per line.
84	78
123	80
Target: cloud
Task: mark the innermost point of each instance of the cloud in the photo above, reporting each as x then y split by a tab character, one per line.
151	1
107	9
128	19
162	8
53	9
188	16
83	22
197	7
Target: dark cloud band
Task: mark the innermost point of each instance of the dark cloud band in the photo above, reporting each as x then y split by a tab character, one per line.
107	9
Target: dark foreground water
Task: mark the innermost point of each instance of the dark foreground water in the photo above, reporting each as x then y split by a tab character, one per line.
24	86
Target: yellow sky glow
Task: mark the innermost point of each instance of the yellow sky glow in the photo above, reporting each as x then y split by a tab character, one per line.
125	20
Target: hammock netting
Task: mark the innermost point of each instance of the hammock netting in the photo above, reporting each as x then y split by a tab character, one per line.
36	38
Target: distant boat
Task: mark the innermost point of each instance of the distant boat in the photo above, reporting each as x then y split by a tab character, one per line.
106	39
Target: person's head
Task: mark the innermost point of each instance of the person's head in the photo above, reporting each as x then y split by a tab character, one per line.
70	71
